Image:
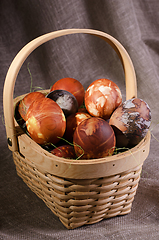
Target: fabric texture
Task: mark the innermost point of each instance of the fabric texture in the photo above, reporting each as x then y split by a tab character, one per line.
135	24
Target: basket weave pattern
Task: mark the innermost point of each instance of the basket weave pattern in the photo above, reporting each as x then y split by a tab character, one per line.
78	202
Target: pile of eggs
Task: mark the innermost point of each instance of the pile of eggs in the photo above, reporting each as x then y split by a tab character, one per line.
77	124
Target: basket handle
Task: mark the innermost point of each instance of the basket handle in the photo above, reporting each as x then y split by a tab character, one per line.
130	77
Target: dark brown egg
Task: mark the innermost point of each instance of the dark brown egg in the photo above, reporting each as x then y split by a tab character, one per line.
131	122
66	100
65	151
46	122
72	122
27	101
71	85
94	138
102	97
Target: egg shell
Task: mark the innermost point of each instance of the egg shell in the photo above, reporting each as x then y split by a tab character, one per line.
102	97
65	151
132	119
66	100
72	122
27	101
71	85
94	138
46	121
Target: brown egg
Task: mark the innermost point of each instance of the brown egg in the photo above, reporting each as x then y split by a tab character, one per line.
131	121
27	101
18	117
72	122
82	109
46	122
94	138
71	85
65	151
102	97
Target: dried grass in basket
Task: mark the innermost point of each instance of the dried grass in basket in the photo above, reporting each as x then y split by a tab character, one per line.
79	192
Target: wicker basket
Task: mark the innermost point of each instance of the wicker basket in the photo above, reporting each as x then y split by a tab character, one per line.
79	192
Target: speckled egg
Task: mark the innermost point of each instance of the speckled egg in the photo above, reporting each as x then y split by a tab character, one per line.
66	100
102	97
131	122
94	138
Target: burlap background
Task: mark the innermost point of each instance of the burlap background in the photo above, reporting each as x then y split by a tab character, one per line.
135	23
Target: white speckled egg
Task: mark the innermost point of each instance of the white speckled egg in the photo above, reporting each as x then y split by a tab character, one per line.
102	97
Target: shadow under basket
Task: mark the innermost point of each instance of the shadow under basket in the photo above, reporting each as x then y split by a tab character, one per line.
78	192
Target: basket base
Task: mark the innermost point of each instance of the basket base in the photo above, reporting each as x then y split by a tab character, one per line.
84	201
